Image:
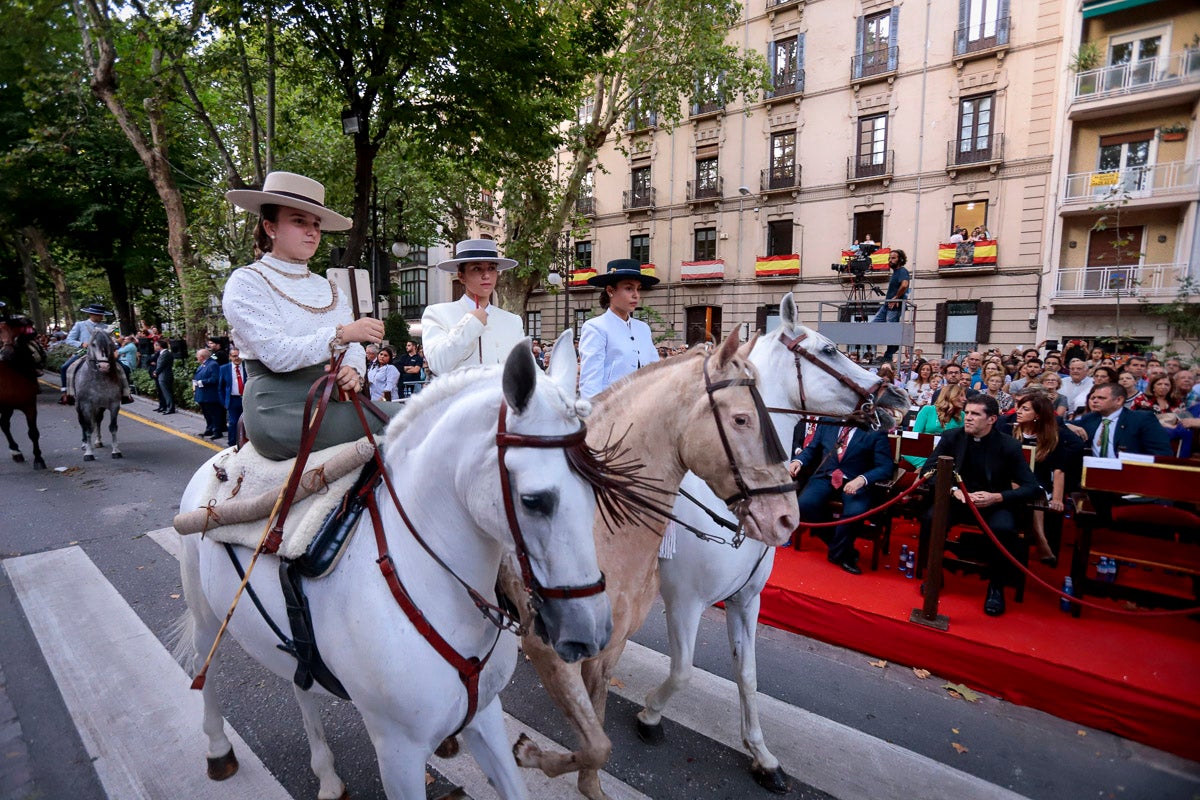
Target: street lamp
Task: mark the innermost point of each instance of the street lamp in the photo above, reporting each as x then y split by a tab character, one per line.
351	124
563	261
555	280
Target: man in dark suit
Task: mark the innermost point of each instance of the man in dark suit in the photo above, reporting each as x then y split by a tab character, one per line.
205	385
1114	429
232	385
998	480
846	461
164	376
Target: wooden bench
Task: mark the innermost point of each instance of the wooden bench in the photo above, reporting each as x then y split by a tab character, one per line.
1142	536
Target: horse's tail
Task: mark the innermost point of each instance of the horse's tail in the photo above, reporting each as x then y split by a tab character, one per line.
181	638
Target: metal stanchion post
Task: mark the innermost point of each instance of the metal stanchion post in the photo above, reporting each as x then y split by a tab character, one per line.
928	615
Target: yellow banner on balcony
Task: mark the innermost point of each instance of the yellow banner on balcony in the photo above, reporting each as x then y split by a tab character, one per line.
1105	178
776	266
967	254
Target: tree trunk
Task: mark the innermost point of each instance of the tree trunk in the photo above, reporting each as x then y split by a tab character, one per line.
31	287
114	269
364	165
46	263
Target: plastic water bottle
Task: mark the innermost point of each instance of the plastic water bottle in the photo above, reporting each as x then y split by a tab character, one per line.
1112	570
908	565
1068	588
903	563
1102	569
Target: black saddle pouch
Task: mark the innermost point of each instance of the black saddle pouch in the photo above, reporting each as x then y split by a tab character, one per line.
326	547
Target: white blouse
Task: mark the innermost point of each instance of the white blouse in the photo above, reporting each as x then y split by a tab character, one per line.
383	379
265	304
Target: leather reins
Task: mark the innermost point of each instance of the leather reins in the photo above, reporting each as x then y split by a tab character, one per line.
864	414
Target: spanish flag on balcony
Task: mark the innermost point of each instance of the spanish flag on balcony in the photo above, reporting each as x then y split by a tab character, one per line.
776	266
702	270
648	270
579	277
879	259
967	254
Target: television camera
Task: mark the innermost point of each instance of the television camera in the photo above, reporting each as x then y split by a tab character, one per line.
857	268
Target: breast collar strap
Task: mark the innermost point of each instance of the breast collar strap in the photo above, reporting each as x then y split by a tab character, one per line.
863	414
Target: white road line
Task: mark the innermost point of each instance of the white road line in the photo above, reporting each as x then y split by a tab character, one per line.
129	700
463	770
835	758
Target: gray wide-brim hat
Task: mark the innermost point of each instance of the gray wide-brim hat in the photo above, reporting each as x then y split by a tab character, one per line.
476	250
96	308
293	191
623	269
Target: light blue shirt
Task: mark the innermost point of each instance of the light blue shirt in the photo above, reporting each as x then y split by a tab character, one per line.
82	332
611	348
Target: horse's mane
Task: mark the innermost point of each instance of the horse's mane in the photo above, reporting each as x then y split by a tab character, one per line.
433	394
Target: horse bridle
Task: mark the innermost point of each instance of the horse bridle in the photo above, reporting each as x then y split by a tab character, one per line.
771	439
863	414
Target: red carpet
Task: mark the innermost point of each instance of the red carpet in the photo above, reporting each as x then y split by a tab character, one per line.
1136	677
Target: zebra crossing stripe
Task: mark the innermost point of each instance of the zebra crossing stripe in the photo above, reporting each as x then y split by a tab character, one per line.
128	699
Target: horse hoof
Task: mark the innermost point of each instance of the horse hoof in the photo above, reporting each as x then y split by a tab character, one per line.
39	464
118	455
773	780
524	750
448	748
650	734
89	458
17	457
223	767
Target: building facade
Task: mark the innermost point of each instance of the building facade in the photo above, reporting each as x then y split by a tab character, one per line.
866	131
1126	196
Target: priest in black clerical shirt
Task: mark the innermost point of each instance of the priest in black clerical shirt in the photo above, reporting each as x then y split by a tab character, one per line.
991	465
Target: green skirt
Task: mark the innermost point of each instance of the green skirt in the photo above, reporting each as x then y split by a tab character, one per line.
273	412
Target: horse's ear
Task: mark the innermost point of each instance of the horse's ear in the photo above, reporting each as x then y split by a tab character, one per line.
520	376
787	311
744	350
564	365
727	350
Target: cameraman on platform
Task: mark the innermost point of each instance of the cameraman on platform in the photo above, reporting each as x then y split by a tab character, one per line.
897	290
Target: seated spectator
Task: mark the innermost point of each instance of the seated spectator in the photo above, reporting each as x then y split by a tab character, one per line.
1053	363
994	387
847	460
1029	370
1113	429
921	389
1130	382
1051	382
1102	375
998	479
1058	461
1157	397
1184	389
944	414
1077	387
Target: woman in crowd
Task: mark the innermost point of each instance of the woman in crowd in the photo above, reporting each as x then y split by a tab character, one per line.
1129	381
994	386
1103	375
920	389
1157	397
1051	383
1094	357
1057	462
942	415
287	320
383	376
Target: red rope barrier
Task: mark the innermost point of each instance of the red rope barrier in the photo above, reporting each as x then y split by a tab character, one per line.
1013	560
916	484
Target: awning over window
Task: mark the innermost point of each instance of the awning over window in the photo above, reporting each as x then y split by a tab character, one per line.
1098	8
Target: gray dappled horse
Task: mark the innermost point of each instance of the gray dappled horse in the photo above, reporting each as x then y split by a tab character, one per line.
98	389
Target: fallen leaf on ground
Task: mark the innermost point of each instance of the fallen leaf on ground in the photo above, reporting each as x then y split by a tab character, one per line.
958	748
617	682
880	663
1081	732
175	597
921	673
958	690
954	730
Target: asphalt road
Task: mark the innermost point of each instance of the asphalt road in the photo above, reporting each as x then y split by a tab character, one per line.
106	508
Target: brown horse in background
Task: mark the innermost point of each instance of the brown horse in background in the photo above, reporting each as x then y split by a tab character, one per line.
18	385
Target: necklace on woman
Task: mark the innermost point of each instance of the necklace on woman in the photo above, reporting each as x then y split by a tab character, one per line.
289	275
314	309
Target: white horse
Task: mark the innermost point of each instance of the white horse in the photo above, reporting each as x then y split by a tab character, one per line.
443	455
701	573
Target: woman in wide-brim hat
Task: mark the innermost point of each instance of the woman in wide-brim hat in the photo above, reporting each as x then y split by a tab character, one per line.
287	320
615	344
470	330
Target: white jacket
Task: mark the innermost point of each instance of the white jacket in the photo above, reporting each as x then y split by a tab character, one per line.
453	338
610	348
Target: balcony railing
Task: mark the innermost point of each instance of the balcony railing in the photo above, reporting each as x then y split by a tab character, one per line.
706	190
775	179
773	5
787	84
637	198
585	206
1136	281
640	121
975	150
707	107
874	63
1152	180
1138	76
981	36
870	165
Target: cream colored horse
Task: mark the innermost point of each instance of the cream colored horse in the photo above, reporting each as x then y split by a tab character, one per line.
663	412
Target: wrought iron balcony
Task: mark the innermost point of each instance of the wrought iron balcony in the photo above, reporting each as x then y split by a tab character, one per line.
637	199
585	206
787	84
975	151
981	36
870	166
874	63
780	178
705	190
700	109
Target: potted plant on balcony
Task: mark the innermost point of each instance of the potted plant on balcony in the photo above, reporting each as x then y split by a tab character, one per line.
1175	132
1087	57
